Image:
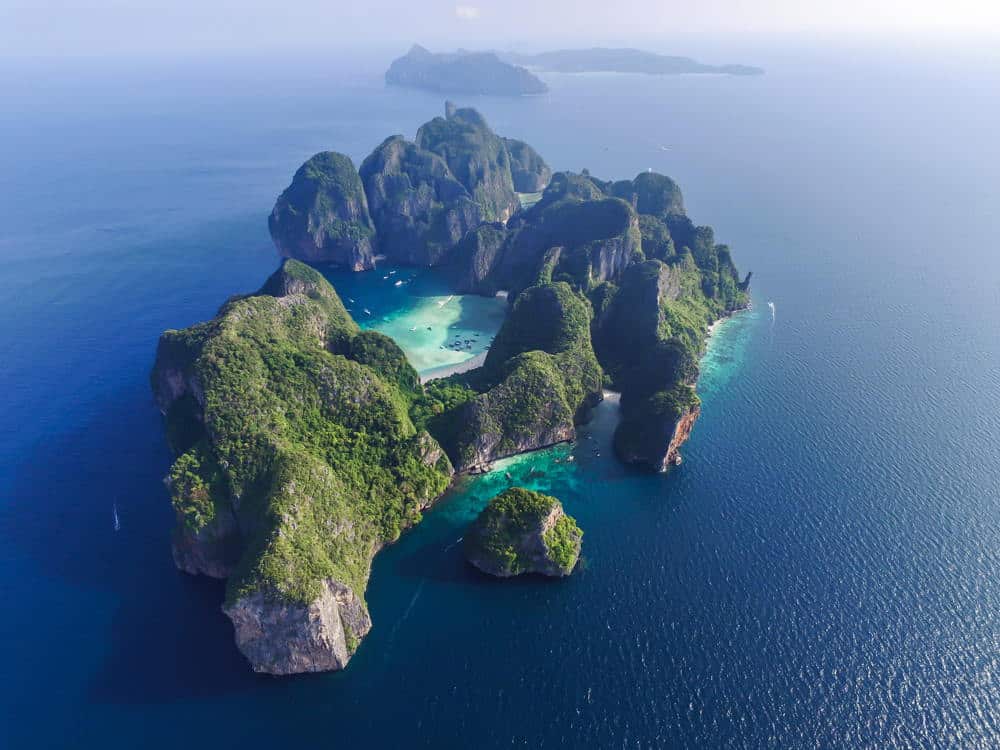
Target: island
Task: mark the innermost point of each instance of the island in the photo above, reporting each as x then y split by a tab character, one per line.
621	60
305	444
462	72
521	531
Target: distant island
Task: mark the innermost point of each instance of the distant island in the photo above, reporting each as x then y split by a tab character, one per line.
622	60
510	73
305	444
462	72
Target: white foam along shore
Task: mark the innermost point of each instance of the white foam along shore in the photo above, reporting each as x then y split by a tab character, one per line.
442	372
715	326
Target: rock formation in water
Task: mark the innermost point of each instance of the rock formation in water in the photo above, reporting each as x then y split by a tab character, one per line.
530	172
297	461
650	283
521	531
476	155
539	380
305	444
421	211
462	73
417	199
322	217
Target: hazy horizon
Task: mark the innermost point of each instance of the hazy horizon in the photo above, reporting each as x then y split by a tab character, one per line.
115	28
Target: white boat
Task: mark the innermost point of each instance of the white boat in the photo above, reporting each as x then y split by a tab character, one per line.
367	311
398	283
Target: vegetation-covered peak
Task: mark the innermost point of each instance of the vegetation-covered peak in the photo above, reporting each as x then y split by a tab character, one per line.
522	531
548	317
654	194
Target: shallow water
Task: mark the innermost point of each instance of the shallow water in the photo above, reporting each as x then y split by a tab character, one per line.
436	328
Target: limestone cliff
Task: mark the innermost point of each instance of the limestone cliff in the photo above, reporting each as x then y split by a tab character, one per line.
280	637
540	378
297	461
322	217
598	237
528	169
419	208
521	531
473	263
477	156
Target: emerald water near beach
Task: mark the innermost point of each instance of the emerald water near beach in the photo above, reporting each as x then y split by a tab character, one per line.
821	571
438	329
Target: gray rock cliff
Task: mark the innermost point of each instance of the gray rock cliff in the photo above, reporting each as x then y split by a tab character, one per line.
322	217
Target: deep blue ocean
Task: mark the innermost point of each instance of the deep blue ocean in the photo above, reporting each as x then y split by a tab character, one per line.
823	571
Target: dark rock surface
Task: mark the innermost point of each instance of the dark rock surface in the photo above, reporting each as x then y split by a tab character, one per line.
322	217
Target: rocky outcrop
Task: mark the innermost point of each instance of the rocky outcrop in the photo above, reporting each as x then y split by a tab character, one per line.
628	326
521	531
524	412
654	427
472	264
598	240
322	217
212	550
297	461
477	157
542	378
419	208
682	431
462	73
527	168
651	193
280	637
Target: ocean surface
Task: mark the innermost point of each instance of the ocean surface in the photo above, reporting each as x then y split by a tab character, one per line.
823	571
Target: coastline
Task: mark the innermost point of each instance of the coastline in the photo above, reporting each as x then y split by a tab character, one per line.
443	372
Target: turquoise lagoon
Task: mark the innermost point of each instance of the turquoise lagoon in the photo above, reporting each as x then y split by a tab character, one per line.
439	331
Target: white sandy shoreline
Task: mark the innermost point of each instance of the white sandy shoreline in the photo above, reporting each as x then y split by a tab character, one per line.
443	372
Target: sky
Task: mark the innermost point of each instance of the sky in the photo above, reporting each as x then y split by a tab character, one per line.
48	28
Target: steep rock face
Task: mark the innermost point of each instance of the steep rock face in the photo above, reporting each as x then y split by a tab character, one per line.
629	325
419	208
653	371
654	427
651	193
682	431
473	262
322	217
477	157
521	531
598	240
528	169
296	462
212	548
525	411
543	379
279	637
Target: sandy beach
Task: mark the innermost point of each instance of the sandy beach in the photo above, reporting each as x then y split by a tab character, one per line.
443	372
